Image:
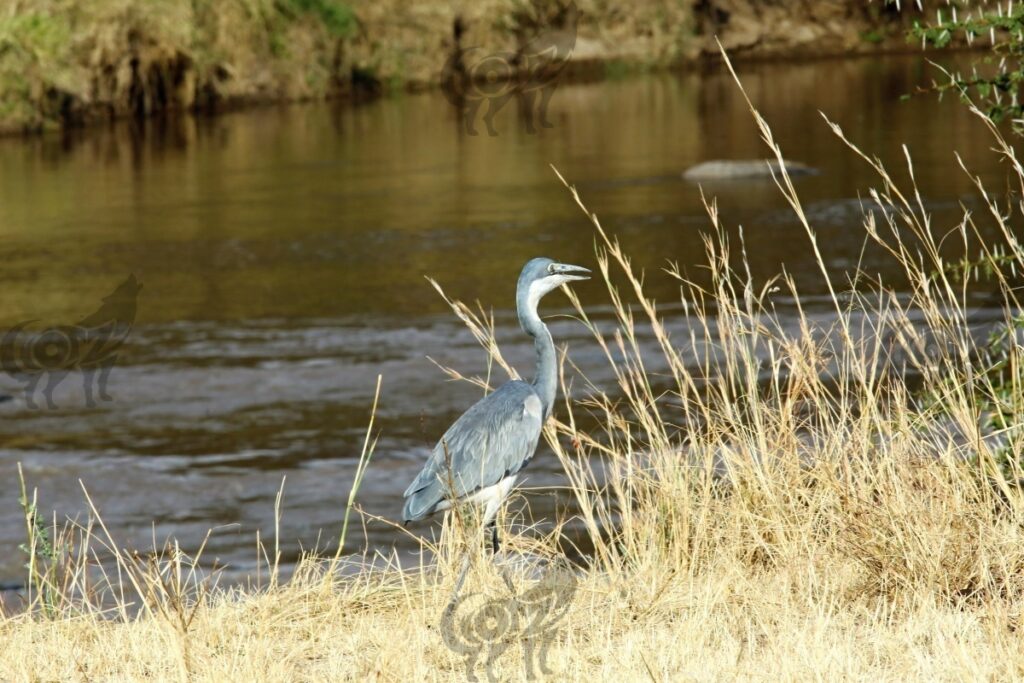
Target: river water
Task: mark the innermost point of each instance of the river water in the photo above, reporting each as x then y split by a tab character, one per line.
282	255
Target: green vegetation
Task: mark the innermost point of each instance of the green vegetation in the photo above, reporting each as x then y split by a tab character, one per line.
994	81
873	37
337	17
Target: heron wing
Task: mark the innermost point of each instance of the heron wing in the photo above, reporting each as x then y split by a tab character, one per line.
492	440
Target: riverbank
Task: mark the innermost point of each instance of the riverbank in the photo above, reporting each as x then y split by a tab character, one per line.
66	63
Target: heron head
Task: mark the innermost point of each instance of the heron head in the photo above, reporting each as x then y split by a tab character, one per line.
541	275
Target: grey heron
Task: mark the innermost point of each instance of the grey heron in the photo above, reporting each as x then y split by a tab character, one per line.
479	457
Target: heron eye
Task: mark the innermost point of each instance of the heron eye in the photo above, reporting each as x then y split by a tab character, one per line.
551	268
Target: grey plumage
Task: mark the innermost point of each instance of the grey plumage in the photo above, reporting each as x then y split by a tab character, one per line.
495	438
480	454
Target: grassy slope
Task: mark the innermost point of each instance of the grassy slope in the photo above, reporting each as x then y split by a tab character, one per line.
64	61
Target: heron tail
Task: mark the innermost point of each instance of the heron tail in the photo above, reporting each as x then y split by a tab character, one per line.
418	505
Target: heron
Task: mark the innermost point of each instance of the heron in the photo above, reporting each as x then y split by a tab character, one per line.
481	454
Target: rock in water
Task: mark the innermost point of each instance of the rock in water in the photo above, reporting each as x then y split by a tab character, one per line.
741	169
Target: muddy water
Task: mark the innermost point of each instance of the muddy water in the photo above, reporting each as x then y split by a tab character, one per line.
282	254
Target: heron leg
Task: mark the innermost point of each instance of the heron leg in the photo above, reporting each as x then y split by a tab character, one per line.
495	545
461	580
489	522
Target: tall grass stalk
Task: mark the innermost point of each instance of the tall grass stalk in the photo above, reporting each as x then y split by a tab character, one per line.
357	481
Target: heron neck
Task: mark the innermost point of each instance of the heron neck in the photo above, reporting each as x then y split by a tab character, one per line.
545	378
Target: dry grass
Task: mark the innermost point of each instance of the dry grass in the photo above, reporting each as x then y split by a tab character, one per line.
774	506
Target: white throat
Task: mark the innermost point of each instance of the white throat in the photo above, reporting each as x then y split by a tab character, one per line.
538	288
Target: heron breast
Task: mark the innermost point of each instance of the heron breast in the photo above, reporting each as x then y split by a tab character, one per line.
532	408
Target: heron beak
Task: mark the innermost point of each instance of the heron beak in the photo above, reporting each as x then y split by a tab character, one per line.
571	272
